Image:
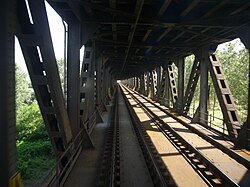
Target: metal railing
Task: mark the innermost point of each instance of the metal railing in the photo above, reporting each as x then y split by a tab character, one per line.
58	174
220	128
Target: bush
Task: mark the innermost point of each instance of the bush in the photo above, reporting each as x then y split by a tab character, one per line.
35	154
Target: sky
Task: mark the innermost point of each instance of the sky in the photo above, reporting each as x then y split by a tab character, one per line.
57	34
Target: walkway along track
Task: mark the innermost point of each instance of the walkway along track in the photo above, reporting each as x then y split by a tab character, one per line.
211	170
113	171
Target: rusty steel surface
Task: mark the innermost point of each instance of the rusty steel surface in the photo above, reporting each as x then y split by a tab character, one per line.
236	171
186	176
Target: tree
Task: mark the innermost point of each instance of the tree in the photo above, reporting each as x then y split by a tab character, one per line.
235	66
23	89
60	65
35	155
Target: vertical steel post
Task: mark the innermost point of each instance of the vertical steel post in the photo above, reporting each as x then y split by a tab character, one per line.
150	93
203	85
73	72
166	92
191	86
172	85
244	134
180	85
7	92
158	86
154	84
142	84
145	78
98	82
248	110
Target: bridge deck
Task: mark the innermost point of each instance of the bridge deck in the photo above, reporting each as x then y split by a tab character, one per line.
183	174
133	169
86	169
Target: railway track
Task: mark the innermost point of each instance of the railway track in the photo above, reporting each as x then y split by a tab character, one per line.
210	169
111	167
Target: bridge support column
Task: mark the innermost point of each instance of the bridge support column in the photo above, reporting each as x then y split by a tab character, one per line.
172	85
203	117
100	84
154	84
145	78
147	83
142	84
180	85
73	72
244	135
137	83
192	83
158	85
150	85
8	158
166	86
42	66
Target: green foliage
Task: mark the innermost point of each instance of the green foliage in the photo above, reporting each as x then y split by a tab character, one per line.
235	66
60	65
23	90
35	154
34	158
234	63
30	124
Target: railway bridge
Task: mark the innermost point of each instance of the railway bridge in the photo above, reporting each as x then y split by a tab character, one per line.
124	117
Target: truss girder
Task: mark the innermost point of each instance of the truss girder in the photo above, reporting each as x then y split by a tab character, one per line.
150	85
146	83
137	87
225	98
100	84
142	84
87	90
162	84
191	86
73	72
181	69
41	63
158	85
154	83
165	88
172	84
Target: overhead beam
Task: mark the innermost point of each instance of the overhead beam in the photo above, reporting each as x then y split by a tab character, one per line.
205	36
190	7
145	37
164	7
132	35
240	9
178	36
112	4
215	8
164	34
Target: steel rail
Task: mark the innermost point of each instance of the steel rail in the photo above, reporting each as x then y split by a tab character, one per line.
107	164
224	149
182	142
115	163
148	155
